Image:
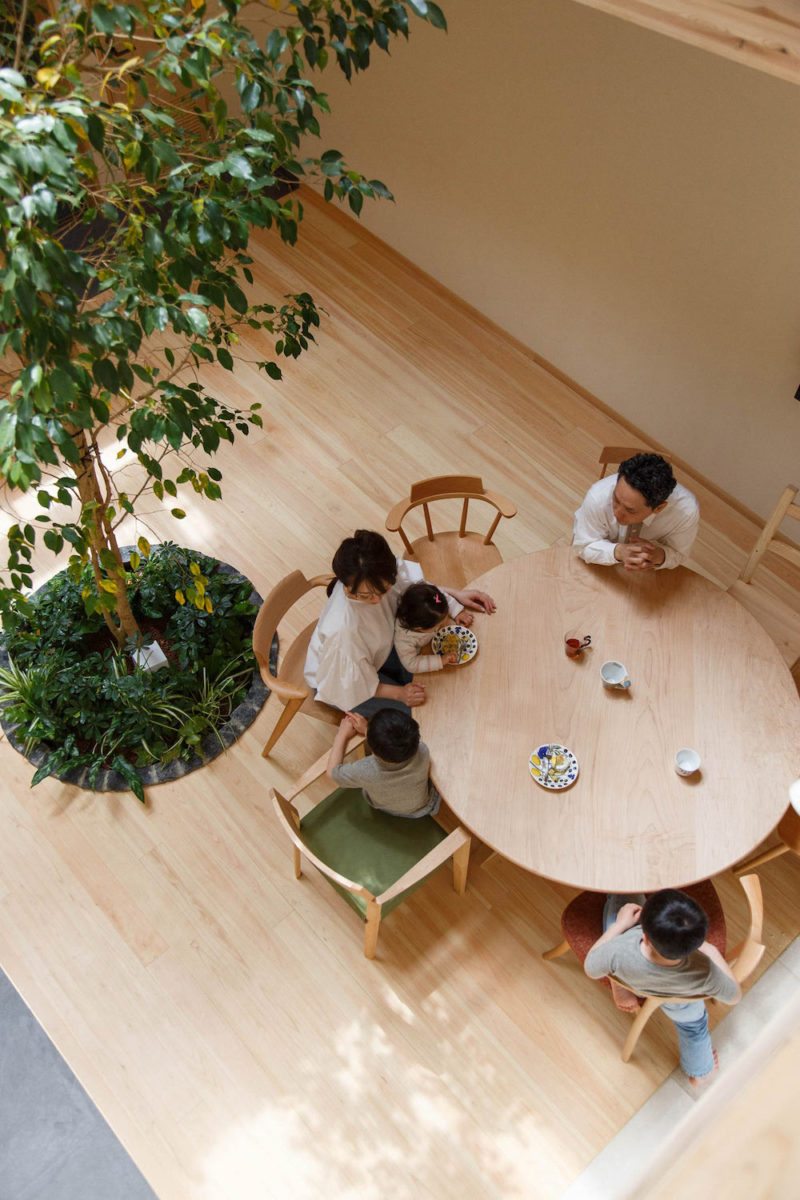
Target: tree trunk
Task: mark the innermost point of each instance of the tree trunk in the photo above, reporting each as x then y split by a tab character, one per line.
101	537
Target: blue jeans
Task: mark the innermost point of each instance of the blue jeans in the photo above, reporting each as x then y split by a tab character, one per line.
690	1019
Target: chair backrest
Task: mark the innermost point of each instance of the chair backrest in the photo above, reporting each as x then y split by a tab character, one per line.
614	455
277	604
786	507
748	954
448	487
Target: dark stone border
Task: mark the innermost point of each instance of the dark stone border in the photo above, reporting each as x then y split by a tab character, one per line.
240	719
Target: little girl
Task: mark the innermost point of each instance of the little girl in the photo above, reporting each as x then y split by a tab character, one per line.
421	611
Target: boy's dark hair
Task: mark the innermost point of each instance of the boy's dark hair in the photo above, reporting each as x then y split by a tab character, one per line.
366	558
421	606
651	475
393	735
673	923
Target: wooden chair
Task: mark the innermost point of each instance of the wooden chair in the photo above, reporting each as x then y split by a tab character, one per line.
373	859
287	682
454	557
788	831
582	925
614	455
781	621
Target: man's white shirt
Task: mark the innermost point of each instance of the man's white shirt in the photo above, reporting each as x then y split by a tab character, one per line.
596	531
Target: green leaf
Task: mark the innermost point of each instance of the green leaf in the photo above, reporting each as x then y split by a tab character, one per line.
198	320
238	166
236	298
153	240
436	16
251	96
225	358
276	44
166	153
130	775
95	130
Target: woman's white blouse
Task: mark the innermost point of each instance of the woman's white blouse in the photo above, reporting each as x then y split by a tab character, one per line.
352	641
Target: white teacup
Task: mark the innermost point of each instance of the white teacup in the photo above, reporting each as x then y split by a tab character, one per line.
687	761
615	674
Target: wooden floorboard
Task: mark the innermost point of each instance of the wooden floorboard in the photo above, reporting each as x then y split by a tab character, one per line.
219	1012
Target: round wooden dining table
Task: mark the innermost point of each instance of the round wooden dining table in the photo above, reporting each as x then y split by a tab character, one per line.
704	675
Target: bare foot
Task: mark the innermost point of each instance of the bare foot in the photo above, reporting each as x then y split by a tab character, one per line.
625	1000
699	1080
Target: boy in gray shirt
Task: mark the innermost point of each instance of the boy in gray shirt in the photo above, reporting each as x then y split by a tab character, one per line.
394	777
659	947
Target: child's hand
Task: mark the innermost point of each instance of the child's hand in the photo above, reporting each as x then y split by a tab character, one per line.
357	723
465	617
451	659
628	916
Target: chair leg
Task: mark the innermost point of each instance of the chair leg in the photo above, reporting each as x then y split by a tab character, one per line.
759	859
557	951
460	867
283	720
372	928
298	870
640	1020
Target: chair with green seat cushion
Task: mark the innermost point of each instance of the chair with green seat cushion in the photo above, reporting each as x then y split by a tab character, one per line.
373	859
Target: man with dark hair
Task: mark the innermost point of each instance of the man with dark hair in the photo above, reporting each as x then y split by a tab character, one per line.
658	947
394	777
641	517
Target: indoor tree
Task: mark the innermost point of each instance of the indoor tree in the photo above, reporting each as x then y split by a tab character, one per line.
140	145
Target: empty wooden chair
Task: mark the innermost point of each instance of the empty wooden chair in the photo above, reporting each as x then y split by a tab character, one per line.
582	925
454	557
287	682
612	456
372	859
781	621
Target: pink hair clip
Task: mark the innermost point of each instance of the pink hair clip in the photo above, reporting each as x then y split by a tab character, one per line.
437	598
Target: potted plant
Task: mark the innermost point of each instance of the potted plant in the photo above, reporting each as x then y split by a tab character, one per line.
141	145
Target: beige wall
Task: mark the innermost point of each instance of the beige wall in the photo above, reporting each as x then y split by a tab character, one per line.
626	205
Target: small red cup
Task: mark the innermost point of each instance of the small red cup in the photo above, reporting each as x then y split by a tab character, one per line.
574	646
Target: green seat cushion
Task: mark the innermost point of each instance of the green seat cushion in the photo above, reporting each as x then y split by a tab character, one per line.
370	847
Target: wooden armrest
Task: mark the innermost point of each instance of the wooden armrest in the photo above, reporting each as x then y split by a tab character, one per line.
501	503
286	691
744	959
343	882
433	859
318	768
395	517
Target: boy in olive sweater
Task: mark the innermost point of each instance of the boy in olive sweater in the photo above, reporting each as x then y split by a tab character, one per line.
394	777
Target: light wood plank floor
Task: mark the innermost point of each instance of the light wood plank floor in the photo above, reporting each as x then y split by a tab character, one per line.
219	1012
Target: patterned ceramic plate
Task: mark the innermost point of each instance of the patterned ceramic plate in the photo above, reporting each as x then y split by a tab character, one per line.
553	767
455	639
